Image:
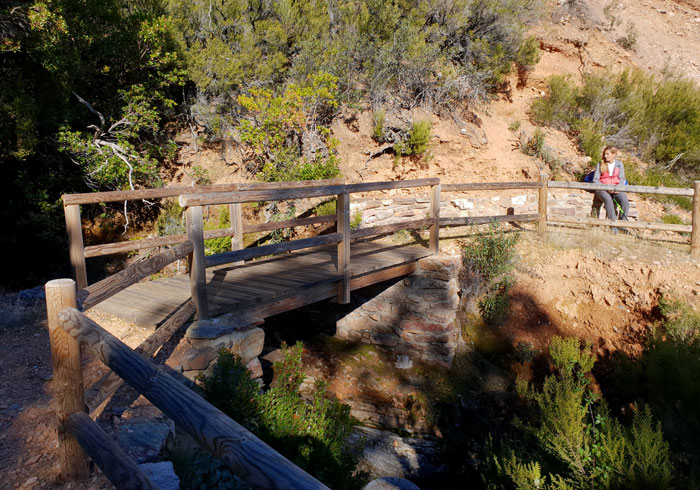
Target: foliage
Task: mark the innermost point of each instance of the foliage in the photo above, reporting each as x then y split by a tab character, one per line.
311	434
495	304
575	443
214	246
659	119
326	208
356	220
629	40
418	139
514	126
201	470
171	219
491	253
276	125
378	118
658	177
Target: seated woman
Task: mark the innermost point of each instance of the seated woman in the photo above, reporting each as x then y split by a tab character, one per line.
611	171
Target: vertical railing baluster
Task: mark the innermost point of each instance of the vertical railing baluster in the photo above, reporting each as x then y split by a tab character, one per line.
198	271
435	214
342	208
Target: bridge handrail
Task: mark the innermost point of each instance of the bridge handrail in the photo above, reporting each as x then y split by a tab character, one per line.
249	457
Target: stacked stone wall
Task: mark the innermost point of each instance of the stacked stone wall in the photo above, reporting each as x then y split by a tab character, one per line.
386	211
416	316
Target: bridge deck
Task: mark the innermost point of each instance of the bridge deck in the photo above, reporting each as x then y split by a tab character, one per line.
266	287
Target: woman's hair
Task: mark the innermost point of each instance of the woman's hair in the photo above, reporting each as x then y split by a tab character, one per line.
612	149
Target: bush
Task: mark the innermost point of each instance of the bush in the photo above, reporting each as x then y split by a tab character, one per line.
310	434
576	444
494	306
378	117
658	119
491	254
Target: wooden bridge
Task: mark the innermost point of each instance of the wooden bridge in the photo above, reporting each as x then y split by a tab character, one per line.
311	269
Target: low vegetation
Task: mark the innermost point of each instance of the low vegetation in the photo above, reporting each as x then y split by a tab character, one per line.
658	119
492	255
311	434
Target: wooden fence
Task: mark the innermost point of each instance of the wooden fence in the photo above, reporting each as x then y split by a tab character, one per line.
249	457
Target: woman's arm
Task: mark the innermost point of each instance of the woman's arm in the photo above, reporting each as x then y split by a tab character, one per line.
621	175
596	174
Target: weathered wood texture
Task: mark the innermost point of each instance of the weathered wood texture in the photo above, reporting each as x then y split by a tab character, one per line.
490	186
195	232
108	384
276	248
435	215
642	189
247	456
695	233
391	228
396	184
259	283
259	195
542	204
276	225
67	378
482	220
119	468
342	208
235	214
116	196
100	291
642	225
76	250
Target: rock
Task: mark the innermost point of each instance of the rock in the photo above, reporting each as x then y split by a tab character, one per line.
403	362
386	454
390	483
144	432
223	325
162	474
30	481
255	368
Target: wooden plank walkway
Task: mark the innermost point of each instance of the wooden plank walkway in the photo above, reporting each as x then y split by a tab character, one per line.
266	287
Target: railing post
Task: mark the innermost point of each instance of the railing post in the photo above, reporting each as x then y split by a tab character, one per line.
75	244
198	271
695	233
435	214
542	208
236	219
342	209
67	378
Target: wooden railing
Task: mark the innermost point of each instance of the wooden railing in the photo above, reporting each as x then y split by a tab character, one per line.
194	203
248	457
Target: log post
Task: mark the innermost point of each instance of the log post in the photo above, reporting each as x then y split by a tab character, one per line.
76	249
342	208
236	219
198	271
542	208
67	378
695	234
435	215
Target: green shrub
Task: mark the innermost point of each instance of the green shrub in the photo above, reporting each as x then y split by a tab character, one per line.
356	220
326	208
171	219
417	142
658	119
576	443
494	306
658	177
629	40
378	117
559	106
590	137
673	219
514	126
222	244
491	253
311	434
534	144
